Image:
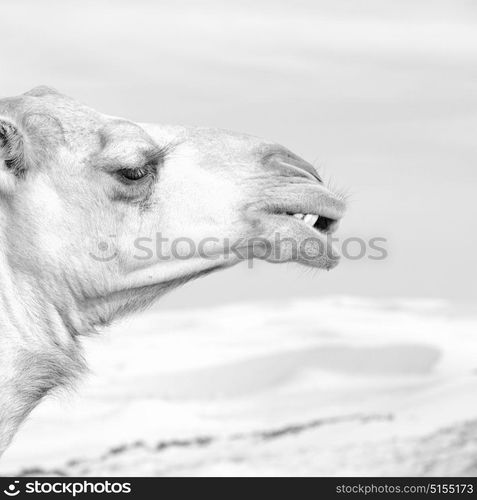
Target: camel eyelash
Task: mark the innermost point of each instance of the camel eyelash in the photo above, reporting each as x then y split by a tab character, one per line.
135	175
152	161
158	155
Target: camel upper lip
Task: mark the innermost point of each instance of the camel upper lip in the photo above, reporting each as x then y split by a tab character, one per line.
314	206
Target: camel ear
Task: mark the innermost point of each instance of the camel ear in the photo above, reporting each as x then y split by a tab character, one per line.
12	154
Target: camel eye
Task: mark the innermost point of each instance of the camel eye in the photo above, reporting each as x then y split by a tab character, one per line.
134	174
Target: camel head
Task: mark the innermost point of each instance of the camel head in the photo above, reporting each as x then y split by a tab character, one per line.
101	214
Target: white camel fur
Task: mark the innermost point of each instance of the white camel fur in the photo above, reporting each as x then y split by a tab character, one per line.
79	189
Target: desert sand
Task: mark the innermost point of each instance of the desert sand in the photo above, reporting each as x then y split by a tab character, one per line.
326	386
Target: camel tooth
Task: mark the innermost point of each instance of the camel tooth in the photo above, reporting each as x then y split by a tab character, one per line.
310	219
299	216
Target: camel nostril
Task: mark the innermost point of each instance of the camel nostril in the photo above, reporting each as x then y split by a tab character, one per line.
291	164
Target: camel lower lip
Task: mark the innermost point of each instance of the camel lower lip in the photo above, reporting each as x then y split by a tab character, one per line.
293	240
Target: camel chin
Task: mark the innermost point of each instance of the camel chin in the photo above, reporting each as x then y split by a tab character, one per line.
100	216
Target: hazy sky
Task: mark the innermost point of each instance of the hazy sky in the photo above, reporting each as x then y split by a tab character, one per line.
382	95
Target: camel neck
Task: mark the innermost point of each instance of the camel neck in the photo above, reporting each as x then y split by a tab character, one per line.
37	352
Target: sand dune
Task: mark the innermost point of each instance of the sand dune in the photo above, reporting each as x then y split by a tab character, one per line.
307	387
